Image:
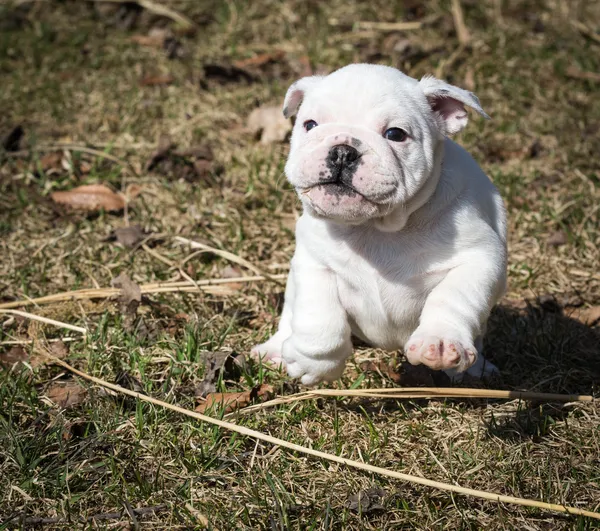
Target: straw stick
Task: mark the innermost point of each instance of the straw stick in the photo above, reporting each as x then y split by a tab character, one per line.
155	287
404	393
41	319
499	498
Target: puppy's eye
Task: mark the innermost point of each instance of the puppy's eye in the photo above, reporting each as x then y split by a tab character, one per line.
310	124
395	134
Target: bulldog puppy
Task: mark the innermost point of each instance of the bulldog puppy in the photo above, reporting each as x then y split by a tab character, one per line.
402	241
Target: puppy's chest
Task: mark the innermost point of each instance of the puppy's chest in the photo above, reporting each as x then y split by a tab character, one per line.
383	294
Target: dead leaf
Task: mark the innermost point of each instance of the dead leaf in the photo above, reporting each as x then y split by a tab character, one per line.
222	74
161	38
129	236
132	191
557	238
270	121
66	394
16	354
366	501
164	145
588	316
12	141
126	380
130	298
216	365
417	376
260	59
154	81
156	38
381	367
232	401
90	198
51	161
59	350
232	272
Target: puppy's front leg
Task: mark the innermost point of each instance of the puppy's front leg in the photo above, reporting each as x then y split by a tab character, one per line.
456	311
320	341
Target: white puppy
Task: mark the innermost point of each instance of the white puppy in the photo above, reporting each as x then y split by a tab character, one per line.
403	238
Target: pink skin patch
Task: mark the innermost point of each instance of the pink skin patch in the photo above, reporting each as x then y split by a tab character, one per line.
439	353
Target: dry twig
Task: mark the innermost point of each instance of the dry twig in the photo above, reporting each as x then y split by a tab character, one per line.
159	9
418	392
45	320
499	498
464	38
155	287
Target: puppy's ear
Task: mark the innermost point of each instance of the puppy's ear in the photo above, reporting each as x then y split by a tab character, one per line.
448	102
295	94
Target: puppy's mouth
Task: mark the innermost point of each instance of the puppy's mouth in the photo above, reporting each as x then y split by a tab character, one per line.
333	186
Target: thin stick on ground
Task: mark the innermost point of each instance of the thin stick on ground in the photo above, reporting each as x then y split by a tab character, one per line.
464	38
416	392
41	319
146	289
228	256
499	498
158	9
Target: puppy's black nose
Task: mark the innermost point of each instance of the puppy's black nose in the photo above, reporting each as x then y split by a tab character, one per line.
342	156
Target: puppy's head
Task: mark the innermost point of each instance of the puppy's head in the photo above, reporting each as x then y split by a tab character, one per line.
365	141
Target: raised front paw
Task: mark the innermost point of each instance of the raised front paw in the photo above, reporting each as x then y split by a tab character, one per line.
270	352
313	370
440	352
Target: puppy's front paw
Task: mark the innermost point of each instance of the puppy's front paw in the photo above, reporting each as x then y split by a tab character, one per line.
440	352
311	370
270	352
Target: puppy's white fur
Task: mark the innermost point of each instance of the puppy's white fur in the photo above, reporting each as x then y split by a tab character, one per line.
413	253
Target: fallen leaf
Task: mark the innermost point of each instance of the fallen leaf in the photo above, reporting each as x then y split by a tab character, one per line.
161	38
260	59
12	141
58	349
154	39
366	501
90	198
417	375
129	236
130	298
126	380
558	238
154	81
51	161
381	367
196	152
15	354
66	394
218	364
227	74
232	401
588	316
132	191
269	121
164	146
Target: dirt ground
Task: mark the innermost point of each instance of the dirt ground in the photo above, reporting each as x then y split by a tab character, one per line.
117	94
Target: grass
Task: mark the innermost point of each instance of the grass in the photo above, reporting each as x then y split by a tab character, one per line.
70	73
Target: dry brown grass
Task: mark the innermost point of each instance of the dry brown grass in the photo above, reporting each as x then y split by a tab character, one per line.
71	75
